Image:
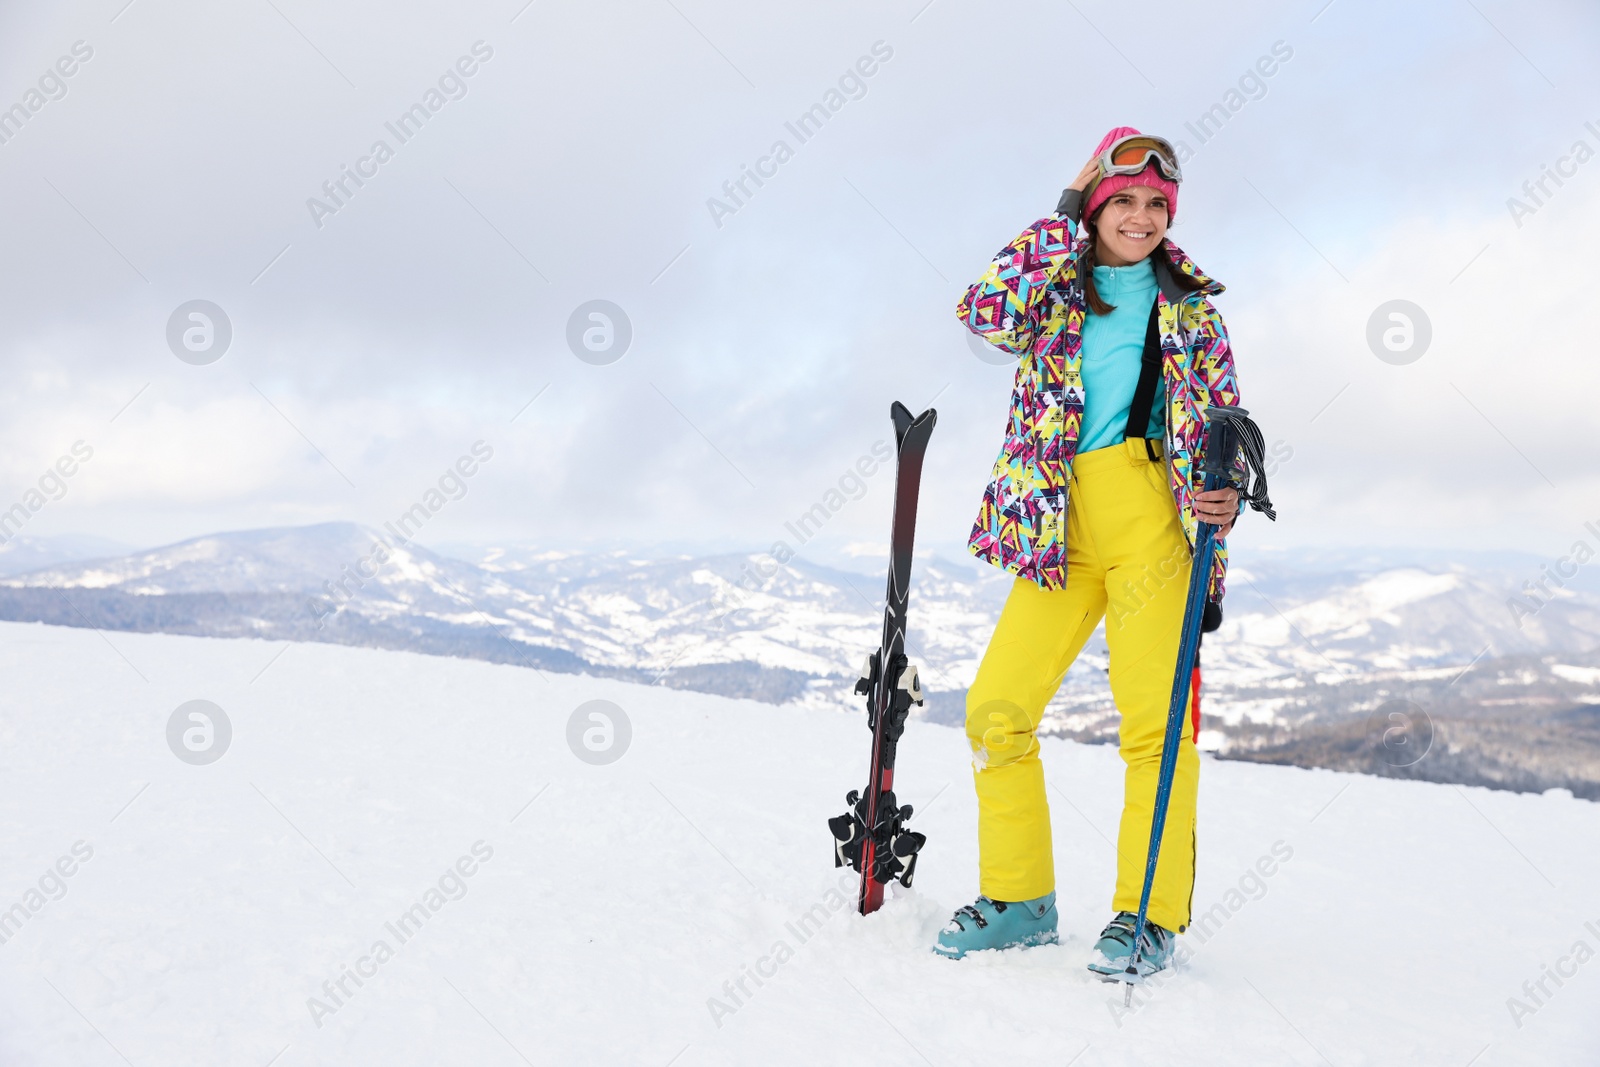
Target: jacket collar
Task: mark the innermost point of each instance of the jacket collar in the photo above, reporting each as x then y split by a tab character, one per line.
1174	260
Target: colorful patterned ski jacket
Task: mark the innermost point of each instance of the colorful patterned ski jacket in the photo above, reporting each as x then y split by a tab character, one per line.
1031	303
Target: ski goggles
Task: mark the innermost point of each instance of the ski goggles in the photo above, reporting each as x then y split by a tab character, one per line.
1133	154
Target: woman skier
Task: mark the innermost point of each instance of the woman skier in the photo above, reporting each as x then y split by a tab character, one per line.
1093	505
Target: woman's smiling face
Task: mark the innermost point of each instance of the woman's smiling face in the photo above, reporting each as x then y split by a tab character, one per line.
1130	225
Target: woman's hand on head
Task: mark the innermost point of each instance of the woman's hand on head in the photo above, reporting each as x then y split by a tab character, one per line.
1090	171
1219	507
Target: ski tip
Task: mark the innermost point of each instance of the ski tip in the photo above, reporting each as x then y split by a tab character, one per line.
904	421
900	413
902	418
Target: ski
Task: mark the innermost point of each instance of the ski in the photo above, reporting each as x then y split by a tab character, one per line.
871	837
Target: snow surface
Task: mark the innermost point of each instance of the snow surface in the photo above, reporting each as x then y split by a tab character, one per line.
620	899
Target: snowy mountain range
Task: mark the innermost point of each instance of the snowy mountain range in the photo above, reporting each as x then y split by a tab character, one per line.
1305	656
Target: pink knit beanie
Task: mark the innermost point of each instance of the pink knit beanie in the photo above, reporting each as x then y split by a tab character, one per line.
1101	191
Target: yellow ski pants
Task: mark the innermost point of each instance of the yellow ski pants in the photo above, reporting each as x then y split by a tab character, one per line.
1128	562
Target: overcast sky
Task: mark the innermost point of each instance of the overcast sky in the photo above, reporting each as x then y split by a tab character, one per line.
378	336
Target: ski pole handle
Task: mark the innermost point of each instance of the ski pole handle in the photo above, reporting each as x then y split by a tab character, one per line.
1222	445
1230	430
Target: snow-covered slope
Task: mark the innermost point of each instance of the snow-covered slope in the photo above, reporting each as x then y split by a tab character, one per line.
616	913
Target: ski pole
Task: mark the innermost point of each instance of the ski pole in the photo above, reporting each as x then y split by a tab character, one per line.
1228	430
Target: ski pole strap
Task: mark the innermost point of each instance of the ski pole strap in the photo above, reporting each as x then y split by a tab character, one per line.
1246	438
1144	394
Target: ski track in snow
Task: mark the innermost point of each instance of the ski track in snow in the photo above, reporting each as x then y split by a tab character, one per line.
620	899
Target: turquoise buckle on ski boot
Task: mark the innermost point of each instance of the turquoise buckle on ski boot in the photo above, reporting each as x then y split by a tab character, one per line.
997	924
1115	947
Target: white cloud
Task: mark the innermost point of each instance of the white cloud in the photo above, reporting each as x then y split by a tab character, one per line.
413	322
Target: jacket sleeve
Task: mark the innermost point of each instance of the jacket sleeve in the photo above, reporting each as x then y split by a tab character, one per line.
1004	306
1222	390
1216	363
1222	386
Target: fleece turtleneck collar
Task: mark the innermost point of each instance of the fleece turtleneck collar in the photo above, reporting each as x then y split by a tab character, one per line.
1132	280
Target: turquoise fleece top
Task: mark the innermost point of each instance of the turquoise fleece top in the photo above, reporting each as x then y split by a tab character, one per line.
1112	347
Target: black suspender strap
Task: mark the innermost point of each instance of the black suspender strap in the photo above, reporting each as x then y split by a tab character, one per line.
1144	394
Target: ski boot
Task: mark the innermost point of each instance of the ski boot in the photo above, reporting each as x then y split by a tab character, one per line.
1112	951
998	924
